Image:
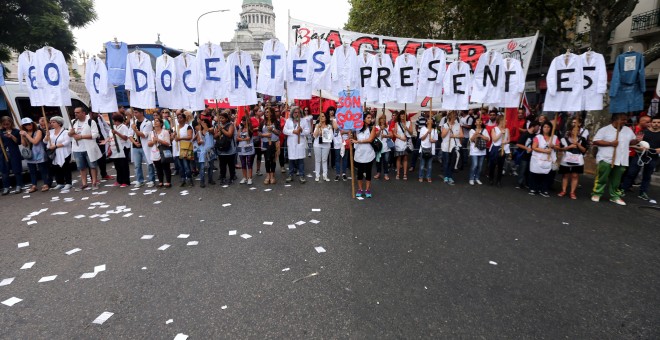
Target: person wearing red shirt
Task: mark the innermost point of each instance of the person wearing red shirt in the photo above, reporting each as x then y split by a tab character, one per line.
255	121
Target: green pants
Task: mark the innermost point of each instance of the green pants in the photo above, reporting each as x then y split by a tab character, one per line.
608	176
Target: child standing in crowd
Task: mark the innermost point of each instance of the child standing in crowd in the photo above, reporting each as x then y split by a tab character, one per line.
245	149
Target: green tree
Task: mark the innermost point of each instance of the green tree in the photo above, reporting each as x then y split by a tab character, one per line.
32	24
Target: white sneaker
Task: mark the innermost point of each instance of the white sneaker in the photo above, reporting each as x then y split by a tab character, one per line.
317	178
67	187
150	184
243	180
58	187
326	179
138	184
595	198
471	182
618	201
249	181
478	182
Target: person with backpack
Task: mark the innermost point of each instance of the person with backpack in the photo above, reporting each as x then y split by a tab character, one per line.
479	138
364	155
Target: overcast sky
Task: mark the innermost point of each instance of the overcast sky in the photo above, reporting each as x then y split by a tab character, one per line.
139	21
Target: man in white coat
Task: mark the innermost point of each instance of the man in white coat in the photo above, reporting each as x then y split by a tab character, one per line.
139	153
296	142
85	151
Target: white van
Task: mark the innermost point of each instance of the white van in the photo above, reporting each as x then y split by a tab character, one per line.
20	104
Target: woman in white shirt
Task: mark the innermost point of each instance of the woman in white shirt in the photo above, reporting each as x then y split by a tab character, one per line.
451	139
60	143
322	141
364	155
479	137
160	137
543	155
500	136
382	165
401	132
428	135
121	147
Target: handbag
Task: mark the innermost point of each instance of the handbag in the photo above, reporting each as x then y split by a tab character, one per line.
427	153
573	158
26	152
186	150
377	145
166	155
223	143
51	153
409	144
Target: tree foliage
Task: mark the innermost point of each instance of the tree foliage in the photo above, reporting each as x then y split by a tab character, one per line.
34	23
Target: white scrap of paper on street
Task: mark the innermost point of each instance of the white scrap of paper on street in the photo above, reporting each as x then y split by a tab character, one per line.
181	336
268	223
99	269
292	226
146	237
223	307
59	213
28	265
232	232
128	215
183	236
192	243
226	205
11	301
360	198
6	282
286	269
316	209
267	190
73	251
47	278
300	222
84	198
493	263
104	219
87	275
131	194
26	196
158	202
246	236
320	249
24	244
32	222
169	321
103	318
79	216
253	188
315	221
164	246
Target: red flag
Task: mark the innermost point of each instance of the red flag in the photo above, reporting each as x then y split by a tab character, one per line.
525	104
240	114
512	123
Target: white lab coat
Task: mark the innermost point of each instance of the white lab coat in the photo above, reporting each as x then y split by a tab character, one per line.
189	95
321	60
55	86
595	86
385	87
296	150
272	72
405	80
143	89
516	85
302	87
240	91
101	92
456	98
167	82
344	69
483	89
569	99
432	68
366	69
210	69
85	127
27	73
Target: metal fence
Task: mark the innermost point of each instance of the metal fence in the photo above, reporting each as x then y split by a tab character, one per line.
646	20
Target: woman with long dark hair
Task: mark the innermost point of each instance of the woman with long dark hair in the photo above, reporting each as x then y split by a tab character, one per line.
543	155
31	137
245	149
322	142
364	155
402	131
225	129
269	131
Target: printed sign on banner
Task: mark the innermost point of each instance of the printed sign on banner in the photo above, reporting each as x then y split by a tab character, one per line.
349	110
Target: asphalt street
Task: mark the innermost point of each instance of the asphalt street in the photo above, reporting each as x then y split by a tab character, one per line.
418	260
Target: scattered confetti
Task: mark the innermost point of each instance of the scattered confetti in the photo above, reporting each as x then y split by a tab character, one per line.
232	232
292	226
11	301
127	215
286	269
320	249
164	246
183	236
192	243
146	237
268	223
47	278
223	307
267	190
32	222
24	244
79	216
6	282
300	222
181	336
315	221
493	263
316	210
28	265
73	251
226	205
246	236
105	219
59	213
103	318
169	321
158	202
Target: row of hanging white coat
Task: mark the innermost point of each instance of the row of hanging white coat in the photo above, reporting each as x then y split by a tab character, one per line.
45	74
576	82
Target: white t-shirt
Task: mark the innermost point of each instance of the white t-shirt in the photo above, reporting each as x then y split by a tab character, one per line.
400	145
473	147
324	142
364	152
496	131
451	140
426	142
467	120
608	134
380	134
124	130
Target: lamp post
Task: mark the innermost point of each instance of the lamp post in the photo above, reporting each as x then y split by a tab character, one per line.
203	14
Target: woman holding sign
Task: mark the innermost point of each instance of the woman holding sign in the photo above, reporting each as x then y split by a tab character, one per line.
322	142
364	155
402	131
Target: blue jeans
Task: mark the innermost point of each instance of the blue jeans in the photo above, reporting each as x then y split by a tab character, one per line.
15	166
425	164
297	164
185	171
475	166
382	167
205	167
43	170
447	165
339	161
633	171
523	173
137	155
